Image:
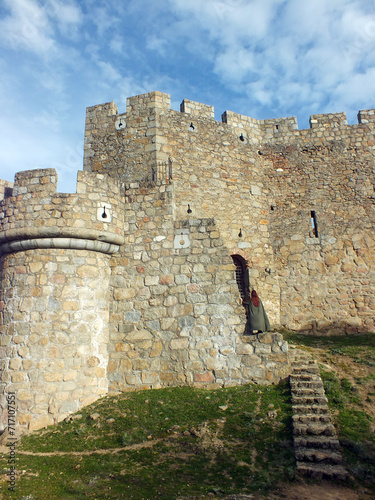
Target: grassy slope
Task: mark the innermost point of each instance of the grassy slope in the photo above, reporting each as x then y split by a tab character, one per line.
170	443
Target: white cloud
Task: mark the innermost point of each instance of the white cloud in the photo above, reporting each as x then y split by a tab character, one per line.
116	44
27	27
32	26
103	18
284	54
229	20
109	73
157	44
236	63
359	88
67	16
65	13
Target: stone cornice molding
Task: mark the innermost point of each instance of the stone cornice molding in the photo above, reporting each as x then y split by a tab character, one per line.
28	238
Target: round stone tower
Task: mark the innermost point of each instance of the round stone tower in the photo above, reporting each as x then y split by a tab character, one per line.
55	250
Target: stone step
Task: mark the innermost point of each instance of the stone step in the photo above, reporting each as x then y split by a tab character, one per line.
307	419
308	391
296	370
309	400
316	447
317	442
315	429
305	377
310	409
326	456
306	384
306	360
322	471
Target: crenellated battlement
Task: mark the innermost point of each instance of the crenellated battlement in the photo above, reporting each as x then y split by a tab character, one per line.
197	109
142	110
6	189
366	117
152	101
36	216
328	120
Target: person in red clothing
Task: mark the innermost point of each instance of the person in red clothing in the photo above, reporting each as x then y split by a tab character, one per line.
257	319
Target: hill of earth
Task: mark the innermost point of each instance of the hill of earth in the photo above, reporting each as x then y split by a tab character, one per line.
187	443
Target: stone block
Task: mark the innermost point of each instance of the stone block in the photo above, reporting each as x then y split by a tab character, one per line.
205	377
166	279
139	335
123	293
40	422
262	348
226	350
18	377
134	380
244	349
266	338
53	377
140	364
214	363
179	343
250	360
150	378
121	346
166	377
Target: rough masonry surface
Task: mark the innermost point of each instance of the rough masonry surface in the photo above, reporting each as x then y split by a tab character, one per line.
136	280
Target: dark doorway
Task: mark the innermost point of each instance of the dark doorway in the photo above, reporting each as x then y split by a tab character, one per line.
242	275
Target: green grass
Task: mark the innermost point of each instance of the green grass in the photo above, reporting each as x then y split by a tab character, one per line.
189	443
221	442
354	427
338	341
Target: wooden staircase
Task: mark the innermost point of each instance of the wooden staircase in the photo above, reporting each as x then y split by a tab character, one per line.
316	446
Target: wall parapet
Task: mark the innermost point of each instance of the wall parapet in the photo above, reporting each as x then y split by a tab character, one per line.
35	216
260	128
153	100
328	120
197	109
6	189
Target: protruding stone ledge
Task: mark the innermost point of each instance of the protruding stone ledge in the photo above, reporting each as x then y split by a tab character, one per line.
16	240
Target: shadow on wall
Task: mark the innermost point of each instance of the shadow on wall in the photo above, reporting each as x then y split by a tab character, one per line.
334	328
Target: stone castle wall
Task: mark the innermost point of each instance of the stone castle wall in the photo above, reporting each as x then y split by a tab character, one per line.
177	316
132	282
266	178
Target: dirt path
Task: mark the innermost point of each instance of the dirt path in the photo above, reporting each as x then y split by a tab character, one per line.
322	491
147	444
300	491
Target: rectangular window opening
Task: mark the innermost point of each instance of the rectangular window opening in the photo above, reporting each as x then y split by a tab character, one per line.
314	223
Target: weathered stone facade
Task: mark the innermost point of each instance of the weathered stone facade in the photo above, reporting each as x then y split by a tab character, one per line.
135	281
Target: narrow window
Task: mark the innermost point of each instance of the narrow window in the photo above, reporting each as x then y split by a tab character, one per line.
276	128
314	224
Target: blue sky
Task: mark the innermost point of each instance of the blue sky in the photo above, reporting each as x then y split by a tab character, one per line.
261	58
